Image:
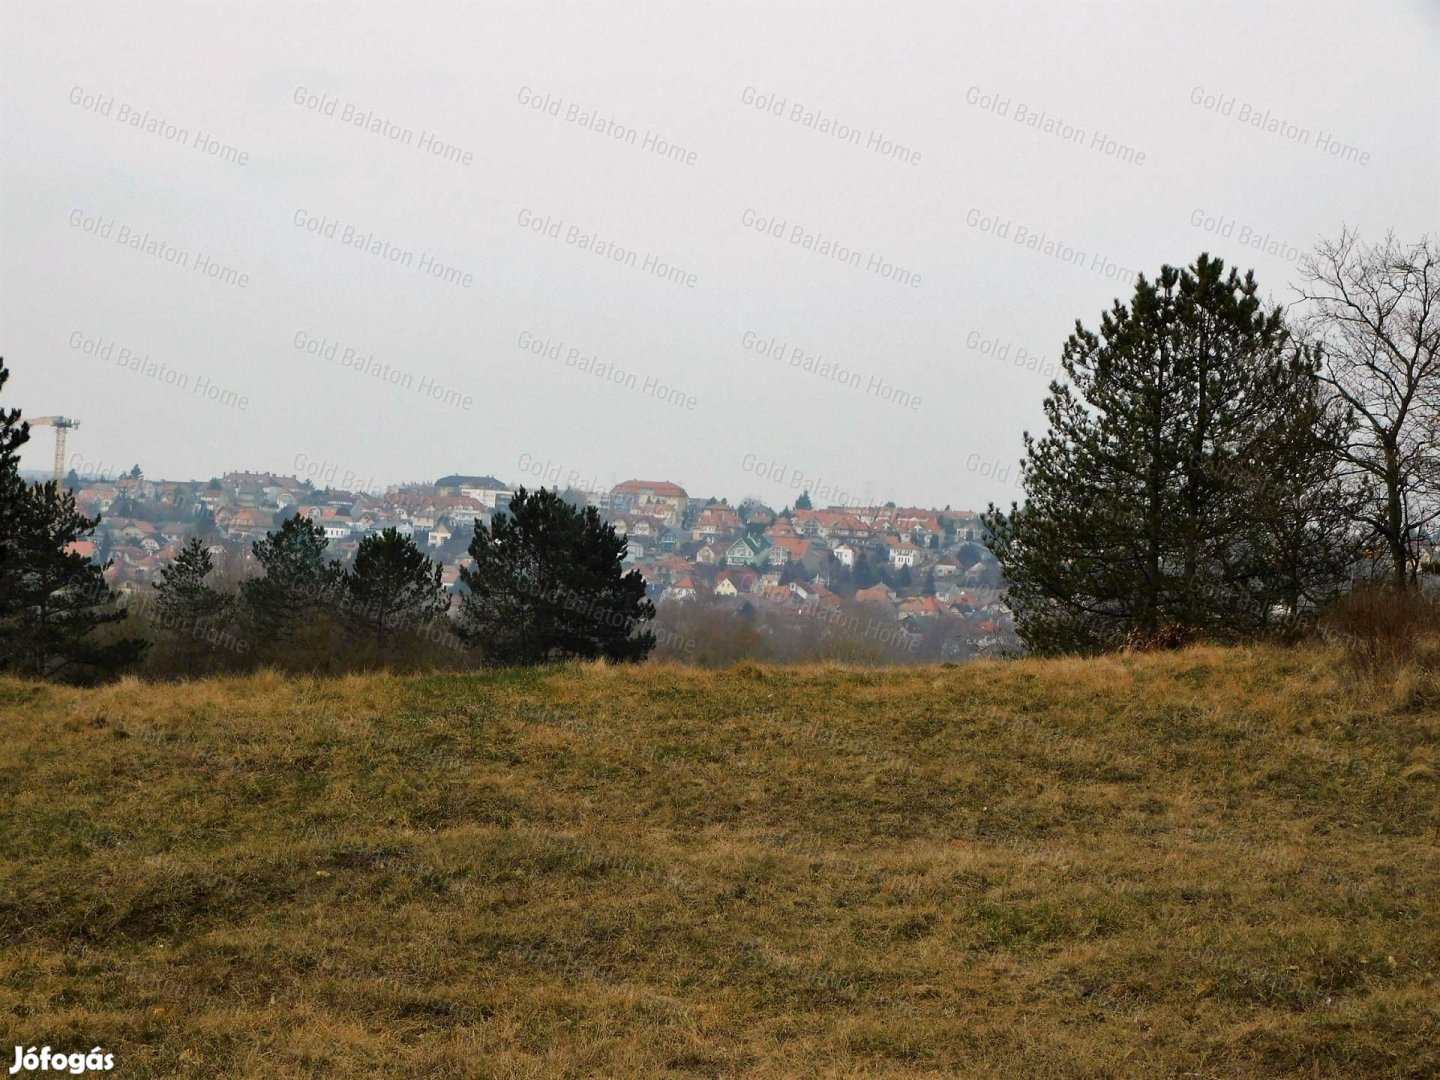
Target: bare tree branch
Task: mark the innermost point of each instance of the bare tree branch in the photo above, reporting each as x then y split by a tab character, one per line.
1373	311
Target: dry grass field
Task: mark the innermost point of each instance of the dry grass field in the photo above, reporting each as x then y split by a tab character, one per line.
1215	863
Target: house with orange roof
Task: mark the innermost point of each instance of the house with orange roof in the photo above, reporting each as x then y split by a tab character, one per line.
782	528
734	582
659	498
787	549
99	496
876	594
756	513
715	521
921	607
828	523
674	565
814	594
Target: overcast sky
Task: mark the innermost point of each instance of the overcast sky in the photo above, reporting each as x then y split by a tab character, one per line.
746	250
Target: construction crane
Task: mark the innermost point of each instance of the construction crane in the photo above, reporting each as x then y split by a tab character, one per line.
62	426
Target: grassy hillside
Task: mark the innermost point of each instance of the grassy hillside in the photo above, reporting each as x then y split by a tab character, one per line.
1208	864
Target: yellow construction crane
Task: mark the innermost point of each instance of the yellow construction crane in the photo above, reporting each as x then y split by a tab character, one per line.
62	426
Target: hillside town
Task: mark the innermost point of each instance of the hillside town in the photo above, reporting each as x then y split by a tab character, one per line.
890	573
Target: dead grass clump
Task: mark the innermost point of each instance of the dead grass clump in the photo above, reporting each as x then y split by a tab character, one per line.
1382	628
1165	639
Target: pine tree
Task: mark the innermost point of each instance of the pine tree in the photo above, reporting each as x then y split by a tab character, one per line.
547	584
182	598
198	616
865	576
204	523
1140	515
14	433
297	580
52	597
392	585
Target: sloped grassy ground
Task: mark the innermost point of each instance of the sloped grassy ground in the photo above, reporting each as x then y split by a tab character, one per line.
1207	864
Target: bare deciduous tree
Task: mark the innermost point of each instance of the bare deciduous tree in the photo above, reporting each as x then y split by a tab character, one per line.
1374	312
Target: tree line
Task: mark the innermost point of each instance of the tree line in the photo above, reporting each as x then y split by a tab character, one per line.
545	583
1217	468
1213	467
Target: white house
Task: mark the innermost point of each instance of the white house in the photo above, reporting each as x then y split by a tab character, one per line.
903	554
492	497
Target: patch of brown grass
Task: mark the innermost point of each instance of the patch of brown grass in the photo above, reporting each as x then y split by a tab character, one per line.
1208	862
1381	628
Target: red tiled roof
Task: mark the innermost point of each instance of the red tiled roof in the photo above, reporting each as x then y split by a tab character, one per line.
662	488
875	592
796	546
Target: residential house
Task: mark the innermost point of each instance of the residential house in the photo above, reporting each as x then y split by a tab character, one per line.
733	582
828	524
952	594
463	510
902	554
674	565
658	498
922	607
710	555
243	520
787	549
876	594
965	524
801	589
783	528
98	496
948	566
814	594
489	491
715	521
758	514
745	550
